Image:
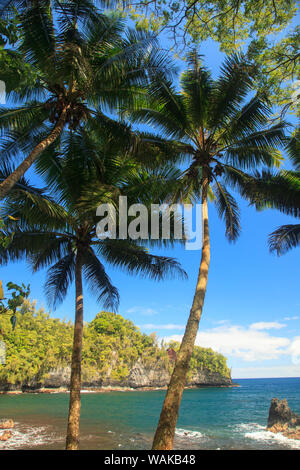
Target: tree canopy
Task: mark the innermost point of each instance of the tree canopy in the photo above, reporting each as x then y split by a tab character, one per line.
263	29
111	346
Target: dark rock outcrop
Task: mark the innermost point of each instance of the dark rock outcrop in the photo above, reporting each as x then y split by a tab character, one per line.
6	423
282	419
157	376
207	378
5	436
142	377
59	377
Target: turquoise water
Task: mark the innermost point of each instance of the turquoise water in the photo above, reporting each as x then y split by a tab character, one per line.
210	418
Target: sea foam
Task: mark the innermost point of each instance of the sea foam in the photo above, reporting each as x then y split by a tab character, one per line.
188	433
28	436
259	433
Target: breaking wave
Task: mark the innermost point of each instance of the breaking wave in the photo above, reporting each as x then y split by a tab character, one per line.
28	436
258	432
188	433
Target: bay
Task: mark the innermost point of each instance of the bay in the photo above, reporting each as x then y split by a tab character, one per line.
210	418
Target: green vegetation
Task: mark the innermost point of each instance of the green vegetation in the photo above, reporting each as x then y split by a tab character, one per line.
37	344
264	30
18	295
111	345
204	359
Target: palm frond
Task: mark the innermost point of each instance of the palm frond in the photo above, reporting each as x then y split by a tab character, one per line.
34	208
106	31
23	184
258	148
59	277
16	143
273	136
54	248
284	238
21	117
153	149
248	156
38	35
72	14
228	209
99	281
196	86
23	244
268	190
293	149
246	120
229	90
136	260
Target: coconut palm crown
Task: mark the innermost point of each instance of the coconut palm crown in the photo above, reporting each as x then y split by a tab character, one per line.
72	62
220	135
55	225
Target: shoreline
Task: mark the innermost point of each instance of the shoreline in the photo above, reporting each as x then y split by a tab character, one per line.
109	389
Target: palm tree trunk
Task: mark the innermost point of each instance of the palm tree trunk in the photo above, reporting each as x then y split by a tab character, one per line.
165	432
72	442
11	180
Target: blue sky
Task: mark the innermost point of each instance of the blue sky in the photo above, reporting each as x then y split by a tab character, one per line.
252	306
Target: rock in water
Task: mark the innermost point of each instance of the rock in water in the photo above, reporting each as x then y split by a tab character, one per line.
282	419
6	423
279	412
5	436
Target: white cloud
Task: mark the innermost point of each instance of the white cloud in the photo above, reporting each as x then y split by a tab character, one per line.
142	311
265	372
169	326
291	318
221	322
294	350
247	344
263	325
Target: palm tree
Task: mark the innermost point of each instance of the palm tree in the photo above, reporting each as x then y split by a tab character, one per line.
221	137
58	231
74	63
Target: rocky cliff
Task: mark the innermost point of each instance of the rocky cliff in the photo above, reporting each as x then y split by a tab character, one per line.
115	354
140	377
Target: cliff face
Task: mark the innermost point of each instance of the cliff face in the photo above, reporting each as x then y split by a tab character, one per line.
140	377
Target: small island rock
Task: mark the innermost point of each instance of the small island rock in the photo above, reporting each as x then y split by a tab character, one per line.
282	419
6	423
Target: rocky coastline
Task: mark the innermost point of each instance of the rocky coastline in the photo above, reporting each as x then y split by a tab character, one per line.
141	378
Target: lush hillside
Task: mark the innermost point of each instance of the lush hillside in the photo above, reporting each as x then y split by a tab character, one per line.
112	346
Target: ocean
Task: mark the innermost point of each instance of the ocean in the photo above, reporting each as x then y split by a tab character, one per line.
210	418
